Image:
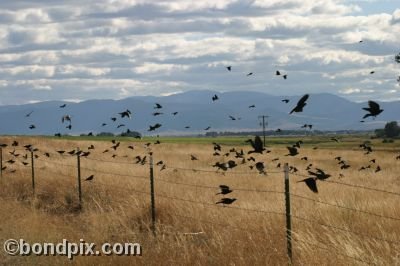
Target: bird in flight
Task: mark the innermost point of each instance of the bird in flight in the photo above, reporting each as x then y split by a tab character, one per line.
224	190
252	106
32	126
207	128
66	118
373	109
89	178
215	97
311	184
226	201
292	151
372	72
249	74
62	106
126	113
29	114
320	174
158	106
256	144
285	100
229	68
232	118
300	104
152	128
175	113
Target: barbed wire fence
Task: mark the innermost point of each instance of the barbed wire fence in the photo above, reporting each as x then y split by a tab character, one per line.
289	237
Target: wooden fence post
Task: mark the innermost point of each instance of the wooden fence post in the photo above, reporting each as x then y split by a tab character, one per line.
1	162
78	157
288	215
153	208
33	171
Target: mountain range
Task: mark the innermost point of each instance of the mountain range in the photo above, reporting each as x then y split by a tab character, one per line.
196	110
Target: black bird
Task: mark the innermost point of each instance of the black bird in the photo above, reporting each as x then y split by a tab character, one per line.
157	113
131	147
221	166
215	97
47	154
260	167
126	113
278	73
232	164
57	135
175	113
113	119
14	144
373	109
104	124
91	147
159	163
311	184
232	118
229	68
300	104
66	118
207	128
61	152
69	127
320	174
249	74
187	127
89	178
158	106
62	106
252	106
193	158
29	114
256	144
226	201
372	72
32	126
304	158
217	147
378	168
292	151
284	76
224	190
285	100
120	125
152	128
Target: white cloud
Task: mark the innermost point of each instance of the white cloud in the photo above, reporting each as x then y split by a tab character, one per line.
138	47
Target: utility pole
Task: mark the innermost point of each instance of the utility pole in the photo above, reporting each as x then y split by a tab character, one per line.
264	124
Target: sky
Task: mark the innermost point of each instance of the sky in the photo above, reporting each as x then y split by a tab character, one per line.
112	49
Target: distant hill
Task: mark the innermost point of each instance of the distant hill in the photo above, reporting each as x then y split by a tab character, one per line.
195	109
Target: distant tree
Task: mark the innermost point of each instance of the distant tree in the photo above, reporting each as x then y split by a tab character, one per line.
212	134
131	134
105	134
380	133
392	129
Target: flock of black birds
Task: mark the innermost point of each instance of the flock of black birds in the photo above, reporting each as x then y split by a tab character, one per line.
373	110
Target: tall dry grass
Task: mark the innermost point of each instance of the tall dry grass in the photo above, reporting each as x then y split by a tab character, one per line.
116	207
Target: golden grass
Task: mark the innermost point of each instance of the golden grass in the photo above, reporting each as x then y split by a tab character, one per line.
115	211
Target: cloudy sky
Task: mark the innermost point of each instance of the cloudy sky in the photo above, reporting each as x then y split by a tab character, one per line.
86	49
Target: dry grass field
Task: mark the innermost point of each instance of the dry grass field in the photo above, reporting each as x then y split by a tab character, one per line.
251	231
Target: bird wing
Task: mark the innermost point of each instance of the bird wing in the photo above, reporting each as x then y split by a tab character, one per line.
258	143
303	99
373	105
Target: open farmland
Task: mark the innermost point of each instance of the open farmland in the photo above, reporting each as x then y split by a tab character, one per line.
352	220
